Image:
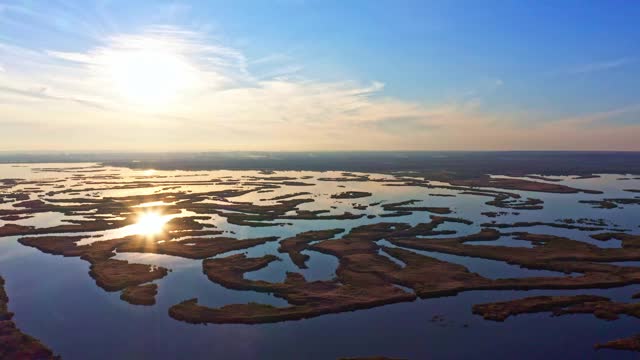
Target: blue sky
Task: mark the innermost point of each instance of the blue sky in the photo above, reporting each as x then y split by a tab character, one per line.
413	74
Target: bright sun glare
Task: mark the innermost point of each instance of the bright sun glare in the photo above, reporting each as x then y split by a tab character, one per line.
150	223
150	77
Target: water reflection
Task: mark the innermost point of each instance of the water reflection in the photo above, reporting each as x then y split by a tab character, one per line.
151	223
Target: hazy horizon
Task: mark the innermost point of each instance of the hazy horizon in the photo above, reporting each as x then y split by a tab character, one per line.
329	151
174	76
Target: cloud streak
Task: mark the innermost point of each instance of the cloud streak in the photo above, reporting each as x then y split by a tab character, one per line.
602	65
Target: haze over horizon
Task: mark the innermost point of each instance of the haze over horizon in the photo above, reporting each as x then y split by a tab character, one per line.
299	75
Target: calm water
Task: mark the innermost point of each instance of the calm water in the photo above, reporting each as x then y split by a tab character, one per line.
55	300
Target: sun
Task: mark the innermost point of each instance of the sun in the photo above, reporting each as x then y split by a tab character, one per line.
150	76
150	223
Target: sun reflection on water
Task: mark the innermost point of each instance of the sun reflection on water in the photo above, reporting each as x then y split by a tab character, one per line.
151	223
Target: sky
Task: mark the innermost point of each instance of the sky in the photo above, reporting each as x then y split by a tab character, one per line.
304	75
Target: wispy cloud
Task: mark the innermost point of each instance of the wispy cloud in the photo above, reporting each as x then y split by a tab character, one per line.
227	104
272	58
602	65
43	94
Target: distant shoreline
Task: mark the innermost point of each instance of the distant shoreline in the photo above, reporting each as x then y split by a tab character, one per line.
435	164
